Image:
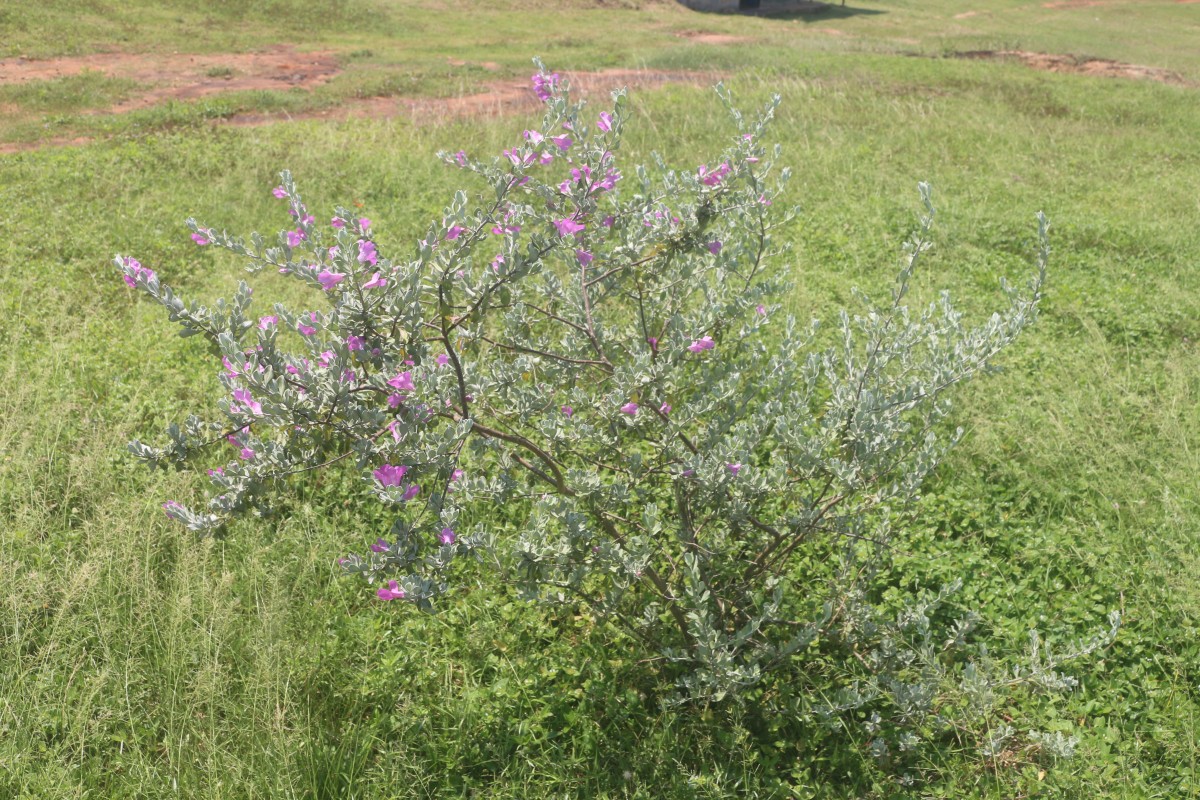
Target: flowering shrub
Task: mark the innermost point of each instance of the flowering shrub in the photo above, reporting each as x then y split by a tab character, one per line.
598	350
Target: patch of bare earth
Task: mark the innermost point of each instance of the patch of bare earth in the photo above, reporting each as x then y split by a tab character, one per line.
498	98
704	37
1075	4
1100	67
178	76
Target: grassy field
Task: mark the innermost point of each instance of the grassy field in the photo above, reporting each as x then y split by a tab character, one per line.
137	662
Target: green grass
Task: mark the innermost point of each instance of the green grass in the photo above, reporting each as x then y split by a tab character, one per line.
89	89
136	662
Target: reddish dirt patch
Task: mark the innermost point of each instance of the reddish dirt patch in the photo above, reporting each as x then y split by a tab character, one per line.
704	37
490	66
1076	4
1100	67
499	99
178	76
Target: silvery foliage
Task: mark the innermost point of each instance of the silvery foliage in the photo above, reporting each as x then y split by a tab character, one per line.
640	428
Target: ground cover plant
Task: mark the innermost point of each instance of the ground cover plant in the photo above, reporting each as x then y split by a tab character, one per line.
138	662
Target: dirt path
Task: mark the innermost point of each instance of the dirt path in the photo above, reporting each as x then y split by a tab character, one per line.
176	76
1100	67
499	98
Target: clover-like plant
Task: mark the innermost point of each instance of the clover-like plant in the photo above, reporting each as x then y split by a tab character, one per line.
583	377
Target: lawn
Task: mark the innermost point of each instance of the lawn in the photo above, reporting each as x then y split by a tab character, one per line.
136	661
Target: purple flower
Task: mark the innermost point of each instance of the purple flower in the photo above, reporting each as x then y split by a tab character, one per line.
714	247
364	224
454	232
534	137
403	382
390	475
199	239
456	475
138	272
380	546
653	342
243	396
354	342
306	330
394	401
460	158
518	160
712	178
328	279
294	238
760	308
734	469
366	253
216	471
247	454
605	122
764	200
608	221
392	592
279	192
172	508
325	359
687	473
376	282
338	222
702	344
543	85
664	409
568	226
629	408
267	321
609	180
584	257
447	536
563	143
442	359
567	411
411	492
